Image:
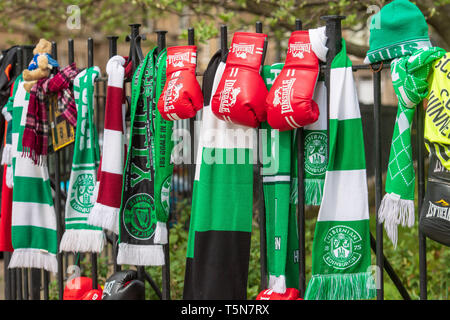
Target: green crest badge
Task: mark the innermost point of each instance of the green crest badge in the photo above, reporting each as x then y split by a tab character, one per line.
139	216
316	153
82	191
165	194
342	247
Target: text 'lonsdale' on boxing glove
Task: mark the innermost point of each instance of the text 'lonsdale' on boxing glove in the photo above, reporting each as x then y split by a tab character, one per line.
124	285
289	102
182	96
241	93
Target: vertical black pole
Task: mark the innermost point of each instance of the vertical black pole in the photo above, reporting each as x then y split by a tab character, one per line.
19	283
262	204
301	203
421	194
161	41
25	283
191	42
112	45
6	272
59	220
378	183
90	49
224	41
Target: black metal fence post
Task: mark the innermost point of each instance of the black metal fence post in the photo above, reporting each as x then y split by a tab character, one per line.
57	204
161	43
421	194
378	182
301	203
260	188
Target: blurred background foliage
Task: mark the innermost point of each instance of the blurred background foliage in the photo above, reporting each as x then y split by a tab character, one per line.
47	18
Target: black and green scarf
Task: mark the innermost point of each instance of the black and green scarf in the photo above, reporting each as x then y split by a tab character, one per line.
147	178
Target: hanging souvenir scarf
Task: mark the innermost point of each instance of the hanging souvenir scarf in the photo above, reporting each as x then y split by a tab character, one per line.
279	176
147	176
218	251
409	78
341	247
33	216
78	235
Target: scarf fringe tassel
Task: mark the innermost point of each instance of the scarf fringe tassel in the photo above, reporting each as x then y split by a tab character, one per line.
76	240
160	233
277	283
140	255
395	211
349	286
33	258
9	177
7	155
105	217
313	191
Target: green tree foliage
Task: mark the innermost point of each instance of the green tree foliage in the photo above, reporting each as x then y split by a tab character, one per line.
46	18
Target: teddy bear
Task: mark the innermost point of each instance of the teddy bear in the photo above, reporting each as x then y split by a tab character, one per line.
40	66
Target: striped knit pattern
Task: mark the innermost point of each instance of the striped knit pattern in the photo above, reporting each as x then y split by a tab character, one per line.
341	247
105	212
79	236
33	216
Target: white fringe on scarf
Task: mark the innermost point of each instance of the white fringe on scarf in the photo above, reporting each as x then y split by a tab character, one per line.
9	176
76	240
277	283
395	211
140	255
33	258
7	155
105	217
160	236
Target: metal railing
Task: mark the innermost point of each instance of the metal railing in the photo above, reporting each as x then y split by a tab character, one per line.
30	283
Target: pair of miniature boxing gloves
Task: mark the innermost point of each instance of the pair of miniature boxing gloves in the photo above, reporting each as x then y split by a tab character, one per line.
241	96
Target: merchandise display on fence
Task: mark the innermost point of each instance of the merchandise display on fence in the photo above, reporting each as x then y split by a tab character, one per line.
273	146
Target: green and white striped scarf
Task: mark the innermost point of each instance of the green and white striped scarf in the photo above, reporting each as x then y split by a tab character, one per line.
80	236
279	176
33	229
341	248
409	78
315	150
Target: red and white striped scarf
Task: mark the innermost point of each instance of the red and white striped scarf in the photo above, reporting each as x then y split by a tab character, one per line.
105	212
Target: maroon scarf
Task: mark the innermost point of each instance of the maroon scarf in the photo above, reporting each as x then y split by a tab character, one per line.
35	135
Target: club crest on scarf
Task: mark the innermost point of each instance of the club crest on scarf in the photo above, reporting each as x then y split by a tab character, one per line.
342	249
139	217
82	191
316	153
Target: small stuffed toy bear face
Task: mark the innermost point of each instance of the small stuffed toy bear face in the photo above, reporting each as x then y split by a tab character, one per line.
43	46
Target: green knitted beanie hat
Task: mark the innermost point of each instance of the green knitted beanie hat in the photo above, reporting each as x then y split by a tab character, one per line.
397	30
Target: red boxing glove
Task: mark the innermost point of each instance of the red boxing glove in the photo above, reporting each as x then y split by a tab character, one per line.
77	288
268	294
241	92
94	294
182	96
289	103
